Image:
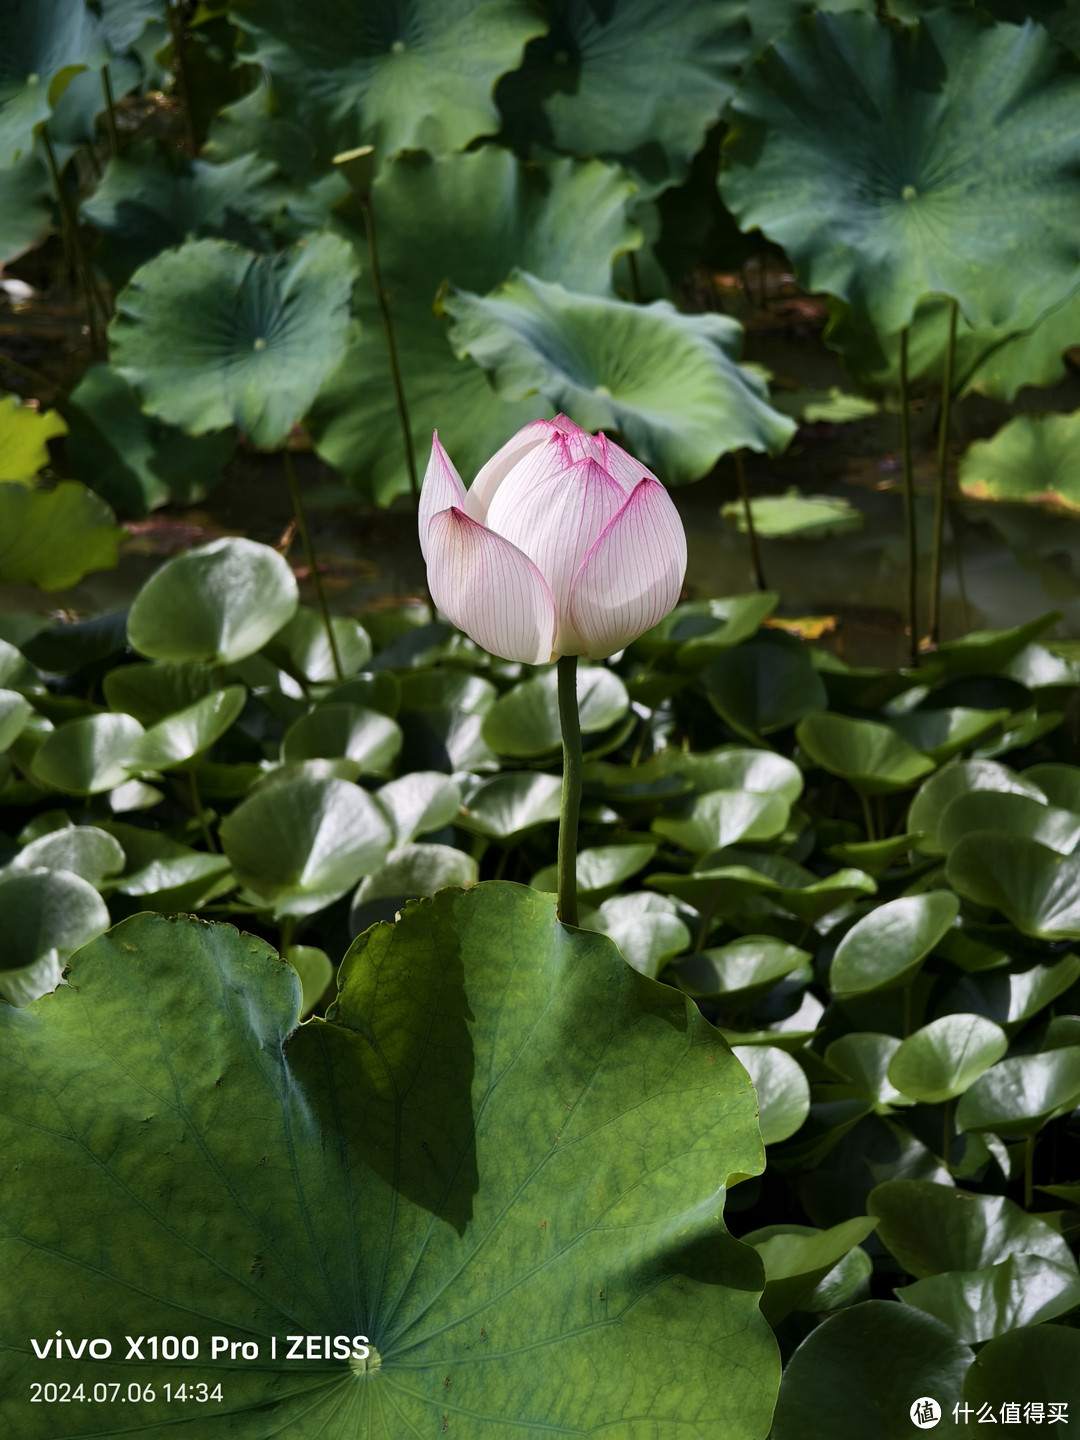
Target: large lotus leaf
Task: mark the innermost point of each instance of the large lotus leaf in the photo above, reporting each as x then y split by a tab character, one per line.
213	335
872	757
888	945
961	778
647	928
468	219
423	1171
301	843
46	43
860	1372
1011	814
89	755
600	81
944	1058
1036	1365
134	460
47	915
860	147
353	732
191	731
124	21
783	1091
405	75
82	850
24	435
25	206
1037	889
670	383
52	538
1017	1096
217	603
408	873
764	685
525	721
1033	458
797	1257
978	1305
418	803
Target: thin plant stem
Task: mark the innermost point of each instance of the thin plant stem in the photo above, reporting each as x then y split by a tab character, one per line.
946	1132
176	26
309	552
956	524
909	507
391	348
635	278
571	789
110	112
934	617
751	533
909	998
200	813
288	932
70	224
1029	1170
34	376
868	818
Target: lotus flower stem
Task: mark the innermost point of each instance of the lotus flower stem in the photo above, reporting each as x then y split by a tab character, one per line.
110	112
309	552
571	789
70	225
934	619
391	348
751	533
200	813
909	507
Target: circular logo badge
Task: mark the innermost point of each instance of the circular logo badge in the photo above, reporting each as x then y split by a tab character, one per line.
925	1413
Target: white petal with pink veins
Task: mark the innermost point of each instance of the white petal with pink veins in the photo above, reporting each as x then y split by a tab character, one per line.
488	588
632	576
491	475
441	490
623	467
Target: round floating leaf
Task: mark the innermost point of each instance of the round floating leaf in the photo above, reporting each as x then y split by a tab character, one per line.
87	756
47	915
646	928
24	435
733	767
415	76
380	691
873	758
983	652
881	201
369	739
414	1138
978	1305
764	685
735	974
213	335
15	711
1037	889
933	1228
701	630
941	734
507	805
189	732
525	721
217	603
797	1257
724	880
887	946
601	867
783	1090
1033	459
1039	1363
670	383
1011	814
795	516
1059	783
82	850
941	789
46	43
442	714
302	842
863	1058
408	873
315	969
942	1059
724	817
875	856
302	649
847	1283
1019	1095
52	538
158	866
419	803
154	692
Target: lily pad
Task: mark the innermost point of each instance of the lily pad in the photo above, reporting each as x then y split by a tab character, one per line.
864	1058
1032	459
1017	1096
87	756
442	715
978	1305
1039	1362
47	915
154	692
191	731
1059	783
15	711
315	970
724	817
960	778
886	947
301	648
783	1091
873	758
648	929
350	731
700	630
159	868
764	685
941	734
944	1058
794	516
601	868
52	538
734	767
418	803
736	973
507	805
1009	814
525	721
81	850
1034	887
798	1257
409	872
25	432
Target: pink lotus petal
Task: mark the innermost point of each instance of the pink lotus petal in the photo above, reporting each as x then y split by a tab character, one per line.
622	466
489	589
441	490
632	576
491	475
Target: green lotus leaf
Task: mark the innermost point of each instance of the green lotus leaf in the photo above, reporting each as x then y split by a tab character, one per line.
764	685
1011	814
647	929
507	805
369	739
81	850
88	756
601	868
1034	887
415	76
133	460
52	538
15	711
960	778
736	973
847	1283
982	652
944	1058
825	407
212	335
380	691
124	21
215	604
883	200
978	1305
783	1091
600	82
701	630
796	516
941	734
418	803
302	843
721	881
409	872
670	383
932	1229
316	971
869	687
468	219
1059	783
1017	1096
301	648
1040	669
47	915
25	433
77	646
875	856
414	1138
154	692
1031	459
886	947
525	721
734	767
860	1371
1035	1363
873	758
1011	995
26	214
863	1059
158	866
191	731
798	1257
724	817
46	43
442	716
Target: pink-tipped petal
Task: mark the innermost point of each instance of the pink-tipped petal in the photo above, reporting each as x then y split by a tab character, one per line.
442	489
491	475
489	589
622	466
632	576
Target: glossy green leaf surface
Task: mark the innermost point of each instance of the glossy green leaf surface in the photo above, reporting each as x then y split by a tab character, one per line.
52	538
888	945
978	1305
944	1058
873	757
1031	459
525	721
1037	889
1017	1095
763	686
87	756
46	43
783	1092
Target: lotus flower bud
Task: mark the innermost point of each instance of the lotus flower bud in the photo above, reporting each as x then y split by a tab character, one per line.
563	545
